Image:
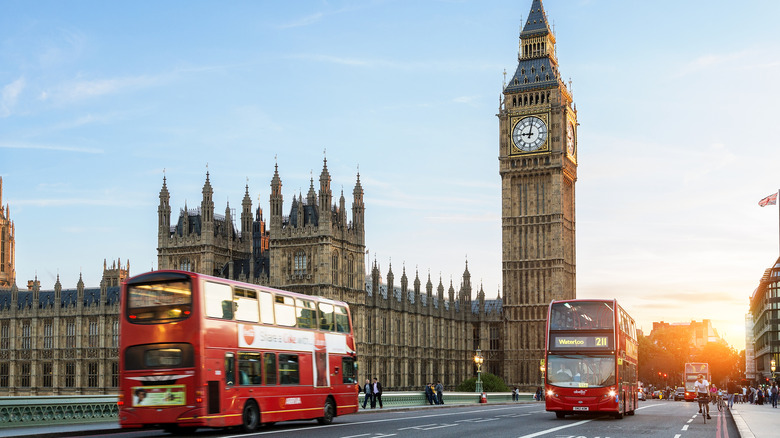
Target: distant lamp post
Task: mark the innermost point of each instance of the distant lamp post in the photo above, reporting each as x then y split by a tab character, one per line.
773	367
478	359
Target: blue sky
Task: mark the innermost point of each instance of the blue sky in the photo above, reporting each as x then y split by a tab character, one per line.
677	140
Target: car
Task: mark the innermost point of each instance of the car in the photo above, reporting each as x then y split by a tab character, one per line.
641	395
657	394
679	393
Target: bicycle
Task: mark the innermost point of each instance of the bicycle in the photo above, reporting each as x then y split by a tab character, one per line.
721	403
704	406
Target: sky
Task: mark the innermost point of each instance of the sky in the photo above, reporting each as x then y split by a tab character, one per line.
677	143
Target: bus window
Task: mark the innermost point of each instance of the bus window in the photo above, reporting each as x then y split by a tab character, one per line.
246	305
230	367
307	314
270	368
342	319
150	356
288	369
249	369
219	300
326	317
284	308
348	370
166	301
581	315
266	308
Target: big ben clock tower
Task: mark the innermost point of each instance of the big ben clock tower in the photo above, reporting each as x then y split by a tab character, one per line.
538	167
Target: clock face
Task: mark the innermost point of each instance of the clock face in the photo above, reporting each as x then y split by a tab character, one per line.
570	138
529	134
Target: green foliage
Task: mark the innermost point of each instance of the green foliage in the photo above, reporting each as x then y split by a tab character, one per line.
670	348
490	383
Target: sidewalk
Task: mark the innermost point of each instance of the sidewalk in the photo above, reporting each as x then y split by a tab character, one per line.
754	421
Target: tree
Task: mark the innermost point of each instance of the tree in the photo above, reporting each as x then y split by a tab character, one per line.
490	383
724	362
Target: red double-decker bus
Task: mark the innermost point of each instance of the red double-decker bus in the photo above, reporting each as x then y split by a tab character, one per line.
591	358
690	374
199	351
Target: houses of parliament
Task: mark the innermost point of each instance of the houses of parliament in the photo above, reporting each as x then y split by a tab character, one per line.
410	329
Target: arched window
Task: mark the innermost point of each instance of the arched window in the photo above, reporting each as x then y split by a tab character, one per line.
351	271
334	265
300	263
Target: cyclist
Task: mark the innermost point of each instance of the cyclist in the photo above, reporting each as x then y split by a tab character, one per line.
702	388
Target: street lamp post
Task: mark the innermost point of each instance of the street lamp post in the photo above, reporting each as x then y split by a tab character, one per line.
478	359
773	367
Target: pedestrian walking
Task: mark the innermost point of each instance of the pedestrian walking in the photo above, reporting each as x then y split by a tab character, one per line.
773	394
369	390
377	394
439	393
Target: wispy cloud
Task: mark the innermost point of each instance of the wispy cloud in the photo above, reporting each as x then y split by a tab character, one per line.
5	145
85	89
10	95
709	61
303	21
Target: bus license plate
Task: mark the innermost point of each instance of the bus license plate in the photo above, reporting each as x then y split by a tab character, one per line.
580	408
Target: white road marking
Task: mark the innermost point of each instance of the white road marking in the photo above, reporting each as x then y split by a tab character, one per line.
429	427
545	432
685	428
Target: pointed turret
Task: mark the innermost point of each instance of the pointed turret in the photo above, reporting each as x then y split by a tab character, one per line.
276	201
417	290
465	287
537	64
228	222
429	288
390	282
358	208
325	196
207	205
342	210
404	289
246	220
164	216
311	197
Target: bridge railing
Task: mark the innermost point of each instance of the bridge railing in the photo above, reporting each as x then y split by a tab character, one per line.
61	409
69	409
413	398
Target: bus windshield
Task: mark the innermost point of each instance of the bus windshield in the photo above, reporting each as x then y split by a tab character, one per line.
579	371
582	315
159	302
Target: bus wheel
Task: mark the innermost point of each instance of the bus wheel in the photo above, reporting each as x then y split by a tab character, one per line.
560	414
328	412
251	416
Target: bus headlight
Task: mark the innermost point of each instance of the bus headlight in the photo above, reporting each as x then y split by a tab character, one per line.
550	393
612	393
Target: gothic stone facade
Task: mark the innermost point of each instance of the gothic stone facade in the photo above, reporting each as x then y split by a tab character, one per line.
538	168
405	338
61	341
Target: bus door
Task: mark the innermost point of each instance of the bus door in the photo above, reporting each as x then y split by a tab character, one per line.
230	397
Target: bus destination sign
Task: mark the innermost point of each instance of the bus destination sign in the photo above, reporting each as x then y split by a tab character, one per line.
578	341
